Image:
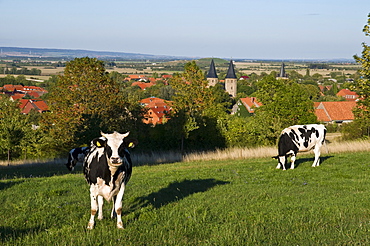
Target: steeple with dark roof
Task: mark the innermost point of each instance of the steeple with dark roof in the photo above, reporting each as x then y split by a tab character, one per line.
231	80
231	72
212	75
212	71
282	73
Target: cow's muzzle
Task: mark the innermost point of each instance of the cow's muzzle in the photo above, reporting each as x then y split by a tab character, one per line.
116	161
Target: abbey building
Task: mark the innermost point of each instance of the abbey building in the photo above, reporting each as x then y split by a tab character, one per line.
230	79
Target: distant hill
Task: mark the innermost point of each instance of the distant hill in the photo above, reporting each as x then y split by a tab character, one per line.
19	52
70	54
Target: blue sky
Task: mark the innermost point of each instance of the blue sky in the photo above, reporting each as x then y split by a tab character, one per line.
252	29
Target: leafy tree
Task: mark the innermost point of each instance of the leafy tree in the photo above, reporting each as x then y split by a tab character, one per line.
85	101
295	76
195	105
285	103
362	87
13	128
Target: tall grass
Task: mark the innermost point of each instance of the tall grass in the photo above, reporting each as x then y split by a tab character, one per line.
203	202
220	154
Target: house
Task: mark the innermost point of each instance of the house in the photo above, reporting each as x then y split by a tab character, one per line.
16	96
137	77
143	85
33	91
348	95
27	105
245	106
326	112
324	88
244	77
157	110
338	112
166	76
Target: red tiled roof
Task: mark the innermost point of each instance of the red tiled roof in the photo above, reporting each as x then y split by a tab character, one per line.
28	104
244	77
250	103
157	110
17	96
321	115
152	100
33	94
143	85
335	111
348	94
12	87
166	76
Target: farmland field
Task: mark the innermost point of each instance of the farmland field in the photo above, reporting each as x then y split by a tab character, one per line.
244	67
209	202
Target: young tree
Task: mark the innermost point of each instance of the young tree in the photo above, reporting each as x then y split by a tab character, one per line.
362	87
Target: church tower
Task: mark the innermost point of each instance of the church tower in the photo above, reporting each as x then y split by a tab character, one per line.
212	75
282	74
230	80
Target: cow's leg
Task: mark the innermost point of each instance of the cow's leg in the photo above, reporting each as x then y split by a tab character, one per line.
292	160
118	206
278	165
74	162
100	204
113	213
94	206
281	162
316	162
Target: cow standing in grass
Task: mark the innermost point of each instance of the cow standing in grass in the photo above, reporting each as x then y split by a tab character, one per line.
107	169
300	138
76	155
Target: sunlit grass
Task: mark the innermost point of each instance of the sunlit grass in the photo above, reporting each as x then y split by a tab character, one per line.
203	202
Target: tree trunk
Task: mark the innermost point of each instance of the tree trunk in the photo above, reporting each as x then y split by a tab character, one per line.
8	157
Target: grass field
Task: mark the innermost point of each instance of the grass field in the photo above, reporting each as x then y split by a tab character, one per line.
209	202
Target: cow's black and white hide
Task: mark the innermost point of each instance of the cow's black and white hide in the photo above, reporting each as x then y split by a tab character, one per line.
300	138
107	169
76	155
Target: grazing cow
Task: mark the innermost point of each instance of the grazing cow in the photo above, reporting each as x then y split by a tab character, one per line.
107	168
299	138
76	155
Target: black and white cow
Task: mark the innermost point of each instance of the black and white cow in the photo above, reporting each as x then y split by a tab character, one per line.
107	169
76	155
300	138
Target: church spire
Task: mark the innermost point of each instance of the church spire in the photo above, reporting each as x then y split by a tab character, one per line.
212	71
282	71
231	72
212	75
231	80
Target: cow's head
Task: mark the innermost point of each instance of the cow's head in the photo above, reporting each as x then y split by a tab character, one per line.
115	146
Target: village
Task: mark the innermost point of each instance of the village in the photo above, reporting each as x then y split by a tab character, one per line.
158	109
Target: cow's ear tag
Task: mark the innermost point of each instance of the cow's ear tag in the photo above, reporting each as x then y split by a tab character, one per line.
131	144
98	144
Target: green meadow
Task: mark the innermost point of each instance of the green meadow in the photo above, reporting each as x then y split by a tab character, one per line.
213	202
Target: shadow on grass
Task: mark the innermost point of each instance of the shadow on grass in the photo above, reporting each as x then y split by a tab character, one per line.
34	170
299	161
177	191
7	232
6	185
